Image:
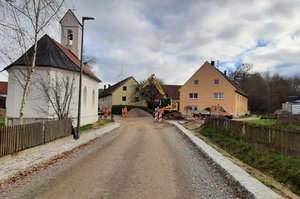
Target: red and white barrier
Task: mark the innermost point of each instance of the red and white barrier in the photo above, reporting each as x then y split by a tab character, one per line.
160	117
156	116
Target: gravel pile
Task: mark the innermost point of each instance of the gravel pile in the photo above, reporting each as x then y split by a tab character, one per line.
135	112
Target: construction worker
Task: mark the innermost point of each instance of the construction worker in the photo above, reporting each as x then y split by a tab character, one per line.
124	112
105	112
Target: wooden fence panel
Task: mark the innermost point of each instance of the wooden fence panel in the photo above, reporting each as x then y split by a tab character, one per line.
16	138
20	137
57	129
281	140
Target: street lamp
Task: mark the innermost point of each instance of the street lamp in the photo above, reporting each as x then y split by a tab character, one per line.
80	78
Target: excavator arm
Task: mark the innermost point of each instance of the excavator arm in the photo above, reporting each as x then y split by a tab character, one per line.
156	83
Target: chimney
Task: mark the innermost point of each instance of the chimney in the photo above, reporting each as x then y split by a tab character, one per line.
108	85
212	63
225	72
104	87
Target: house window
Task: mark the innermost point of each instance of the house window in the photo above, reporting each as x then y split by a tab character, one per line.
216	82
196	82
218	95
193	95
124	88
136	99
124	98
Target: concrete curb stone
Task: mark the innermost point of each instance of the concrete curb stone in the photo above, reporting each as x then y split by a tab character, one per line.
253	187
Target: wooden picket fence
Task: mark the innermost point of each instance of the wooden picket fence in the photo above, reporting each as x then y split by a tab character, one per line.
279	139
20	137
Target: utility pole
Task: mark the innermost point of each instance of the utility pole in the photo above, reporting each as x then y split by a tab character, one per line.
80	80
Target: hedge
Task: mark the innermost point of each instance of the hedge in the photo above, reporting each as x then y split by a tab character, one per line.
117	109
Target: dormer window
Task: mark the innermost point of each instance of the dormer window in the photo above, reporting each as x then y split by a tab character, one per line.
70	37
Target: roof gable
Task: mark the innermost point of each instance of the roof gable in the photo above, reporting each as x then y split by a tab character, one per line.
71	18
237	88
52	54
221	74
114	87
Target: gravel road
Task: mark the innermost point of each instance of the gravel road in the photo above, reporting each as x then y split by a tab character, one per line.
141	159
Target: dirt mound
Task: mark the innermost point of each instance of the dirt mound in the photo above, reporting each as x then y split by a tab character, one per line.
135	112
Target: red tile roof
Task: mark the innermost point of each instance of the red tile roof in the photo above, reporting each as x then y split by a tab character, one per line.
74	59
172	91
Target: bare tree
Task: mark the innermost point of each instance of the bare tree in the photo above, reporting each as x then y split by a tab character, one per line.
23	21
58	92
88	59
150	94
241	74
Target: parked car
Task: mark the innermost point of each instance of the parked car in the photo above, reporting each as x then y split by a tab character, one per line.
214	110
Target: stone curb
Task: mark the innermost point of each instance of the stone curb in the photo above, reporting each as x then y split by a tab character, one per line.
14	164
252	186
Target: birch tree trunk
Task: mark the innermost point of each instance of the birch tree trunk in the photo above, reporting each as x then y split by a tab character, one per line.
25	20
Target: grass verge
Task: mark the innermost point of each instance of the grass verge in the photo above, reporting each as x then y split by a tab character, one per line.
99	123
262	121
270	122
284	169
2	122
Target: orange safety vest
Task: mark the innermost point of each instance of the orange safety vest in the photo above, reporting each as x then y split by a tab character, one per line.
161	110
105	111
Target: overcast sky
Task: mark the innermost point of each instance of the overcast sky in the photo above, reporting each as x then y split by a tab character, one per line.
173	38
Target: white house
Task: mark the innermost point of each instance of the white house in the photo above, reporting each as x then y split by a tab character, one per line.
54	61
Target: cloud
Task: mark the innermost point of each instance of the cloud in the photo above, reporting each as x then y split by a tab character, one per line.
173	38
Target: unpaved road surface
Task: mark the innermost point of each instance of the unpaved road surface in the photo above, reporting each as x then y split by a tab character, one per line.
141	159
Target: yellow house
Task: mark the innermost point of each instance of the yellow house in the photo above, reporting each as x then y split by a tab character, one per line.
209	86
121	93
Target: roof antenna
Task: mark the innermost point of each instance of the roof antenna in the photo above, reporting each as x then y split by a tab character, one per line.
121	74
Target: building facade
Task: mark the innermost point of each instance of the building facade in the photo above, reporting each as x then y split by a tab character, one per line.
121	93
57	67
209	86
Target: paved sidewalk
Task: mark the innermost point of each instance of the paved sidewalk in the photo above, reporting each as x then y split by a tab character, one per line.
255	188
11	165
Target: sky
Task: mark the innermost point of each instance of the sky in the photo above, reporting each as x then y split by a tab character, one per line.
173	38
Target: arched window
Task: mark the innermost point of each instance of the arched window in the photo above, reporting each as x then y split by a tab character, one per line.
93	100
84	95
70	37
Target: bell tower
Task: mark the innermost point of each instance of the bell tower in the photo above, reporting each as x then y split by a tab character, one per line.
71	33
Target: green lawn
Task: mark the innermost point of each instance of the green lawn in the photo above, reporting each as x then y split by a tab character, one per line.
283	168
291	127
270	122
2	122
262	121
246	116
